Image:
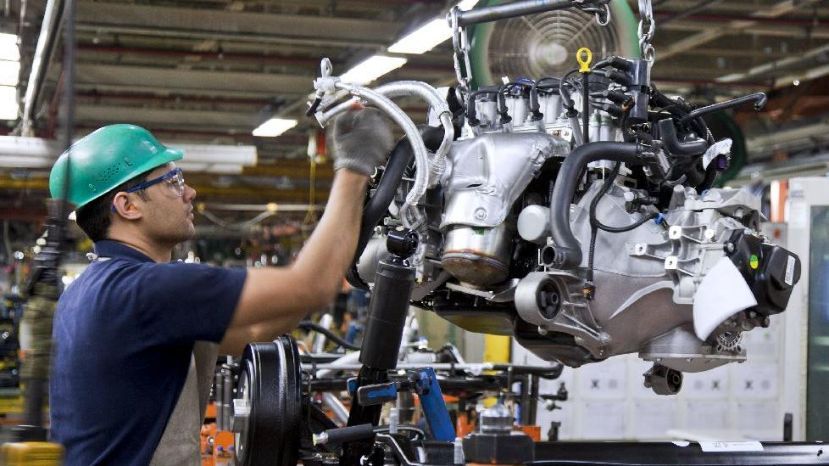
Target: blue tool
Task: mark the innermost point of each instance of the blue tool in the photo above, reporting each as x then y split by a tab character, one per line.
424	382
434	408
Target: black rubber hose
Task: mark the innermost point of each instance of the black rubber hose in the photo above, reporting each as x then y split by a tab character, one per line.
348	434
471	115
501	103
679	110
535	108
667	132
626	228
567	249
314	327
377	206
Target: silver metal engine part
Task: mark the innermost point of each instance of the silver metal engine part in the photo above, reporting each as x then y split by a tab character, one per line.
645	279
667	272
649	274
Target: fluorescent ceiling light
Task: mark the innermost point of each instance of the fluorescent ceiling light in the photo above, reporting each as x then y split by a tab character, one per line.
424	38
429	35
9	73
274	127
8	103
9	49
371	69
25	161
216	168
730	78
217	154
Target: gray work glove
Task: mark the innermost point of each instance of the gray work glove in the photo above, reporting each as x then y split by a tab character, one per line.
360	140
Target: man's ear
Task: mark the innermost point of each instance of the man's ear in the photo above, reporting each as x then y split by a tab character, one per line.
124	206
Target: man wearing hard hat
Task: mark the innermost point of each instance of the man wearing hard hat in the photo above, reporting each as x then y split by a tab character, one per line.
125	388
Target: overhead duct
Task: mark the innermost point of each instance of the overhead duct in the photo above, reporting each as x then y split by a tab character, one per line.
37	153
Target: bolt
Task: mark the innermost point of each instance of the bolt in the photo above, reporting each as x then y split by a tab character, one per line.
550	302
480	213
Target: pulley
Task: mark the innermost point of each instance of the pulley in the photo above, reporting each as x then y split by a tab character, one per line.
267	410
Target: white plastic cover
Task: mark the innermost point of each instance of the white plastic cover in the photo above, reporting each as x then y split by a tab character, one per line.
722	293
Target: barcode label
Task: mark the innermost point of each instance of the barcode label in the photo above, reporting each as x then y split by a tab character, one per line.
790	271
730	446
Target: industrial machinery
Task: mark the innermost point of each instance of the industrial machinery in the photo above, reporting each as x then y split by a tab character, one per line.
574	212
285	405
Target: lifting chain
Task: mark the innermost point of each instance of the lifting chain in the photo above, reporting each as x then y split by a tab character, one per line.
647	27
460	44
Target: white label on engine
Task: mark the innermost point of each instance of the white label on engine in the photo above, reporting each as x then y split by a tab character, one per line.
720	148
790	271
731	446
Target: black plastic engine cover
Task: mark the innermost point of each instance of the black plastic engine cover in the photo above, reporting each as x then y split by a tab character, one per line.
770	271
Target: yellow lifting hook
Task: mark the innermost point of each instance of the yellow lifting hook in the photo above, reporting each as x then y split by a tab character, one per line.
584	56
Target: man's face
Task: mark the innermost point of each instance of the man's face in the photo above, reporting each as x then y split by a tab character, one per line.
167	208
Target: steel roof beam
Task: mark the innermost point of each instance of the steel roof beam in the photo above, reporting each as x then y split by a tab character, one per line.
732	27
219	24
772	30
182	80
164	116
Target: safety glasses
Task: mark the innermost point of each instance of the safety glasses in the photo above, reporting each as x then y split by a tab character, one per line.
174	178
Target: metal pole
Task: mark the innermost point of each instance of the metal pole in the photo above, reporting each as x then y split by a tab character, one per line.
511	10
47	280
43	54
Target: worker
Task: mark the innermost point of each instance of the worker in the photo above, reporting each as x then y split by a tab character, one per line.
128	331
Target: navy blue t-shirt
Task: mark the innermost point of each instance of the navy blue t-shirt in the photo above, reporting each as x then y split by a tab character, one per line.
124	332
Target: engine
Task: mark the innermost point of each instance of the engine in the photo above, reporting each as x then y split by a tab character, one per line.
578	214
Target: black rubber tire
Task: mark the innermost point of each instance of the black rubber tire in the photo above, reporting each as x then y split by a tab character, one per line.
273	434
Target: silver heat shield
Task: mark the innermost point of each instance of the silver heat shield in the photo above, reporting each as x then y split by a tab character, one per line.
487	175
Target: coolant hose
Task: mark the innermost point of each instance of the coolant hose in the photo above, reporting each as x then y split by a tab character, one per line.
441	109
667	132
378	205
398	116
567	250
435	101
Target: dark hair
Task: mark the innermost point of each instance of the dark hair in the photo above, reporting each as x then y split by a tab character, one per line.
95	217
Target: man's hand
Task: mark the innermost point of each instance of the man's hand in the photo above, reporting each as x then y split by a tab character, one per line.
360	140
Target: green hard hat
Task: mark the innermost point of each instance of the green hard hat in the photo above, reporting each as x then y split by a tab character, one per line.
106	158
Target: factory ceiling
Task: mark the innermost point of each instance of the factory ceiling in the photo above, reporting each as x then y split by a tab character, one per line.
210	71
